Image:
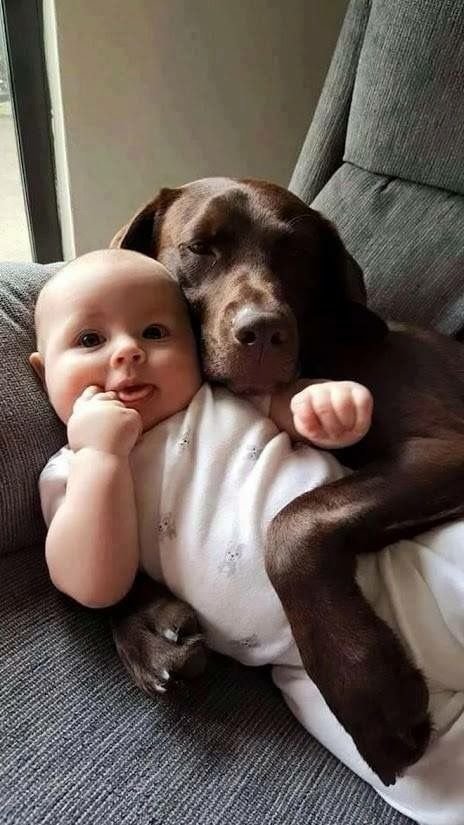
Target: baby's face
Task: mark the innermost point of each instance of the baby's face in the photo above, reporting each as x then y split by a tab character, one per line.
118	322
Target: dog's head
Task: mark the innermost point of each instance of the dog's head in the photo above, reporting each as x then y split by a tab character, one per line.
269	281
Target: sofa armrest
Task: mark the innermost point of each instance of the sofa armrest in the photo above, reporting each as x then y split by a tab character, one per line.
29	430
323	149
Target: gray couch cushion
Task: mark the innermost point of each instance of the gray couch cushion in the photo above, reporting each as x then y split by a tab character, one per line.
409	241
407	112
80	744
29	431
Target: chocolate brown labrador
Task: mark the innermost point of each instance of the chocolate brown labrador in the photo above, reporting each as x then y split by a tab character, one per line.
274	294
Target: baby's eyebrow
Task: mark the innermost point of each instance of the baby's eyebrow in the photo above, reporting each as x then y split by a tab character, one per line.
80	320
81	316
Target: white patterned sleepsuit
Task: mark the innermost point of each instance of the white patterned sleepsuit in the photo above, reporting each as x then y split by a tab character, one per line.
208	481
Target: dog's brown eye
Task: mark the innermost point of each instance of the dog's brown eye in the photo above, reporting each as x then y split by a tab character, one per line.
199	248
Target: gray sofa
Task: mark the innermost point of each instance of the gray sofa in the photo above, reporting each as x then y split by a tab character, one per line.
79	744
384	156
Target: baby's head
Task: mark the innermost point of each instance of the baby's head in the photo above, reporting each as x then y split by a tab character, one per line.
116	319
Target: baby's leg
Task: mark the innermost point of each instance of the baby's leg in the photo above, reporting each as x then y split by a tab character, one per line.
417	587
431	792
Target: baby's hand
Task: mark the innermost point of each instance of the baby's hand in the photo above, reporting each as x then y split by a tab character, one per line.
102	422
332	414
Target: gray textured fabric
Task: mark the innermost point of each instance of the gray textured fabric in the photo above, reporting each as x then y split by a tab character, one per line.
407	113
409	241
29	431
81	745
320	156
397	203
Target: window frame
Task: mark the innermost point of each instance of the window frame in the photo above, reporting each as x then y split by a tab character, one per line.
30	100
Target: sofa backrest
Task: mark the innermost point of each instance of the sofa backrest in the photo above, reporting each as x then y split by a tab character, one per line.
407	112
29	430
384	156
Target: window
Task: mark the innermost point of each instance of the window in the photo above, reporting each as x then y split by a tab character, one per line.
29	226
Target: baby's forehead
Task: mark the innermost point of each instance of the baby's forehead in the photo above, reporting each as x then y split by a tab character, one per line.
111	263
94	276
89	274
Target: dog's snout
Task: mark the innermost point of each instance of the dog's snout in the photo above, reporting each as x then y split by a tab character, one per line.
255	328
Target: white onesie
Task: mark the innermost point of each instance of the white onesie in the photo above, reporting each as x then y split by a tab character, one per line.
208	481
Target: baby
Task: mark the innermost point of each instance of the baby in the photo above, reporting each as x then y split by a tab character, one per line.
166	473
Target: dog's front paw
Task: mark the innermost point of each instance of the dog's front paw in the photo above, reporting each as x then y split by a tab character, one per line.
159	643
382	701
391	726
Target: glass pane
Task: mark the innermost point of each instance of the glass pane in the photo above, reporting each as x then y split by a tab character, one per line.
14	231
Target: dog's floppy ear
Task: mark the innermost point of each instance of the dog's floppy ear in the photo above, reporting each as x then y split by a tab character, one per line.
342	275
142	232
346	291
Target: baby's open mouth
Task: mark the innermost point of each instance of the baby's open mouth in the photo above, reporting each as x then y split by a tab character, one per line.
135	393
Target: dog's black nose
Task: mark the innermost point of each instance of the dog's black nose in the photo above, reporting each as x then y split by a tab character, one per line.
255	328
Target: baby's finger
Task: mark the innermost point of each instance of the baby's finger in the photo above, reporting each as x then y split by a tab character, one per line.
87	395
323	408
306	422
344	405
364	405
303	399
89	392
109	395
305	419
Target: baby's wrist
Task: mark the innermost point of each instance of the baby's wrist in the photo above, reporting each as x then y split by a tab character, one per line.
100	455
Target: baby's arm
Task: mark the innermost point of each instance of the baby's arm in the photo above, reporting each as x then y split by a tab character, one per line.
92	548
329	414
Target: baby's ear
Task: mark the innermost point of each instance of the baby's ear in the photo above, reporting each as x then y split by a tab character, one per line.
37	364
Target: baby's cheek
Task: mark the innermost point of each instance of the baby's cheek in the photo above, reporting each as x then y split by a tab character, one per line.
64	388
62	399
58	401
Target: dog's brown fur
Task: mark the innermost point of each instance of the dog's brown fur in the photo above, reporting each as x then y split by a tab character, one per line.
273	292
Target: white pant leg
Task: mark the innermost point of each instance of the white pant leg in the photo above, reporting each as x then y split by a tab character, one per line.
431	792
418	588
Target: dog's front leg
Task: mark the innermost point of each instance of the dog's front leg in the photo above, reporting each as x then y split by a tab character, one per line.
157	637
355	659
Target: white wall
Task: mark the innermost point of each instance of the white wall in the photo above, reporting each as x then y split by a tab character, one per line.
158	92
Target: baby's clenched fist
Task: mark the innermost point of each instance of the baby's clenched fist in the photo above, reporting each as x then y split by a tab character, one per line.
332	414
103	423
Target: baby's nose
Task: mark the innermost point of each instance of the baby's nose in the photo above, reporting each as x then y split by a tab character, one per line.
128	352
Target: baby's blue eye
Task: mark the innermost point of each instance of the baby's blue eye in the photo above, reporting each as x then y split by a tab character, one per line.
155	332
90	339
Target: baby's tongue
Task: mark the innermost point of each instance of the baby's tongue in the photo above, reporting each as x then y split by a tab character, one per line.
134	393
